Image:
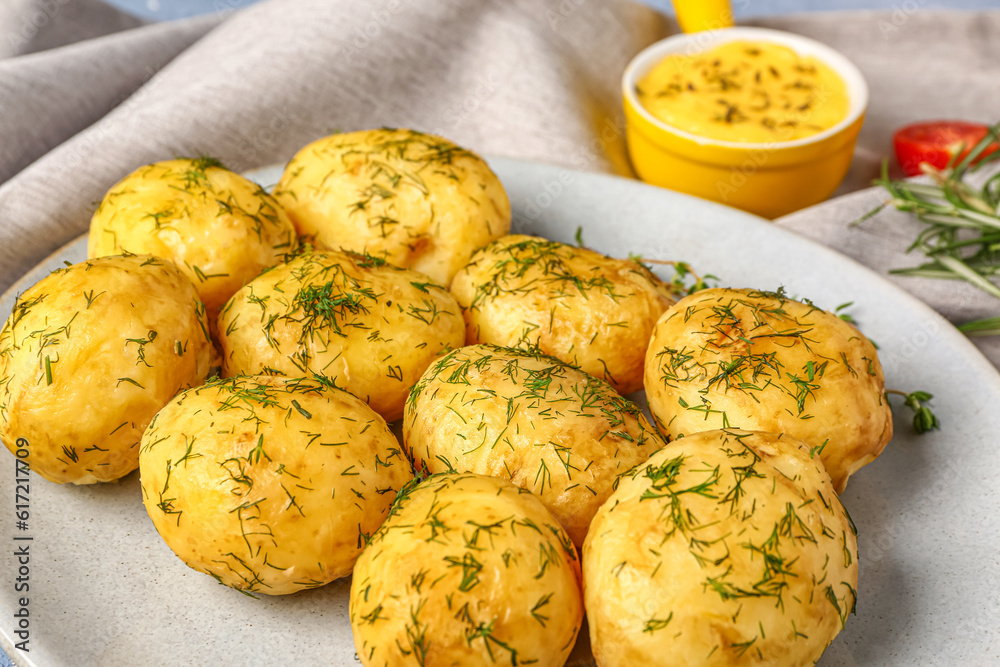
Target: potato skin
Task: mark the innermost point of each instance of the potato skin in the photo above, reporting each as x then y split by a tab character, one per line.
267	484
591	311
467	570
371	327
414	199
529	418
761	361
88	356
218	227
725	548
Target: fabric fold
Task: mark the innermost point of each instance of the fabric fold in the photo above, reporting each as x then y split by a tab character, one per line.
55	94
494	76
30	26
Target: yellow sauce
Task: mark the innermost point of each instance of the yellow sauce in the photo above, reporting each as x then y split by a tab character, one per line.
745	92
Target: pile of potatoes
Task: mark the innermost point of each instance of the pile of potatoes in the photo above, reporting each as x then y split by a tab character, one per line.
247	352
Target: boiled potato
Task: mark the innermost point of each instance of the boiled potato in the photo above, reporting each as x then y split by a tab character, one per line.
725	548
414	199
269	485
530	418
589	310
88	356
370	327
217	226
467	570
761	361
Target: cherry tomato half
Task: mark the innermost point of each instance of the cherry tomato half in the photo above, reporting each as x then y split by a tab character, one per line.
937	142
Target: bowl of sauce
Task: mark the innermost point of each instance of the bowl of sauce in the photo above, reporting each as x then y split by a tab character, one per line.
759	119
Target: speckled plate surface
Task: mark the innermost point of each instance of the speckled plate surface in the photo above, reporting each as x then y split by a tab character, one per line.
105	590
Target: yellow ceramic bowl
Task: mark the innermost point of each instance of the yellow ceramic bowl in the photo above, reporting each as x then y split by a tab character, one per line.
769	179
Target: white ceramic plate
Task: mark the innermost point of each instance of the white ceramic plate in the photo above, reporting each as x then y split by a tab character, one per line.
105	590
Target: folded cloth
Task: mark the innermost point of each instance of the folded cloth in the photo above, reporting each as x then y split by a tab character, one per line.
532	79
535	79
28	26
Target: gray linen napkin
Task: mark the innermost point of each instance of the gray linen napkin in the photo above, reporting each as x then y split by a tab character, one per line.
535	79
28	26
525	78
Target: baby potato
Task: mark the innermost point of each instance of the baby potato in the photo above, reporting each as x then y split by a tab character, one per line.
218	227
414	199
761	361
725	548
591	311
529	418
366	325
269	485
467	570
89	354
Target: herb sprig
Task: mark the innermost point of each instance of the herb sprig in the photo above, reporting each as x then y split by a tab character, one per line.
961	240
684	281
924	420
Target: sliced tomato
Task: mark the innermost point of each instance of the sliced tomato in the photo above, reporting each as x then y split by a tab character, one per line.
936	143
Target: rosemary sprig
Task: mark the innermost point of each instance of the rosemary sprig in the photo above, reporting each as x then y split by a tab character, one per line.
987	327
962	238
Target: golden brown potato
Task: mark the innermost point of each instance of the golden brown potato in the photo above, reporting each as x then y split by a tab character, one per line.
371	327
414	199
726	548
530	418
88	356
217	226
267	484
591	311
761	361
467	570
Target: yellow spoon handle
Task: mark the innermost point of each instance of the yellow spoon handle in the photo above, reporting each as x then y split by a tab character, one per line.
698	15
